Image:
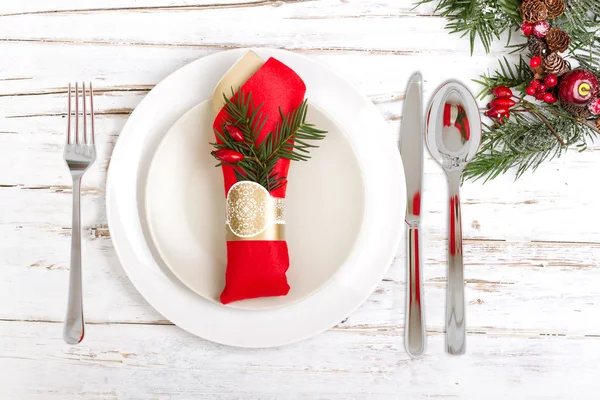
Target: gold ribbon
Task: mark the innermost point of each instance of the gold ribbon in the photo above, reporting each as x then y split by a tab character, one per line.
253	214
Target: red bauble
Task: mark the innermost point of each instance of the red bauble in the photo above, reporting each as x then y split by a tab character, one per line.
535	83
498	112
535	62
502	92
540	29
551	80
578	87
527	29
540	96
542	88
594	106
235	133
531	91
228	156
550	98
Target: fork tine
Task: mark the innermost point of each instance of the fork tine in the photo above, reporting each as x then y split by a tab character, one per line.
76	112
69	116
92	111
84	114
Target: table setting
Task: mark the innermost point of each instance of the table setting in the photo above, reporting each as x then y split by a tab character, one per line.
270	220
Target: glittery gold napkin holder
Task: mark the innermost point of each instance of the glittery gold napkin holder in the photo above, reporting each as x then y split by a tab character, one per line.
253	214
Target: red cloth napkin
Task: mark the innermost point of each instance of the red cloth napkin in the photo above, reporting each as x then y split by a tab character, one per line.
256	268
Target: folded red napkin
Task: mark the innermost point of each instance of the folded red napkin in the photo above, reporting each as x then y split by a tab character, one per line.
257	268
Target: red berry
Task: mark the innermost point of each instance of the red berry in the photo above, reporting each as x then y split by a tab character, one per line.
594	106
502	92
497	112
235	133
549	98
501	102
540	29
551	80
527	29
542	88
227	156
535	83
535	62
540	96
531	91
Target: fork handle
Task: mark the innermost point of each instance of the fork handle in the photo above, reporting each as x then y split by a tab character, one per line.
74	326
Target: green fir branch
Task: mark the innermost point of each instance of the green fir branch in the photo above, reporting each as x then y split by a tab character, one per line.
290	139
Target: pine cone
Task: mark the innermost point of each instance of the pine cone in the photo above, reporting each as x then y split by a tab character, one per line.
598	123
576	111
534	11
558	40
537	46
556	8
555	64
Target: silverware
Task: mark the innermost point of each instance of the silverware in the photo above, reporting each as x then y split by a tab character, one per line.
453	132
411	150
79	154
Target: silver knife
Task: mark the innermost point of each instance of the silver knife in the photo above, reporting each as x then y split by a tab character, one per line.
411	150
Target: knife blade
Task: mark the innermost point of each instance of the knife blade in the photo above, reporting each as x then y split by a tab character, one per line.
411	151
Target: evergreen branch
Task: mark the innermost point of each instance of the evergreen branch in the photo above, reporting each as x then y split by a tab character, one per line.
290	139
526	141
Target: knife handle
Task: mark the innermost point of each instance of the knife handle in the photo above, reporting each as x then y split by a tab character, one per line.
415	337
455	290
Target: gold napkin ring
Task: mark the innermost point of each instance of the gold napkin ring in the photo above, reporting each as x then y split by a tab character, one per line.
253	214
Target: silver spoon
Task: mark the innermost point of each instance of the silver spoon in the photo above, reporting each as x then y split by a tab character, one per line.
453	135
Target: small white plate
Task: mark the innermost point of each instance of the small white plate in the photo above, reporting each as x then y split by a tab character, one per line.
342	292
186	211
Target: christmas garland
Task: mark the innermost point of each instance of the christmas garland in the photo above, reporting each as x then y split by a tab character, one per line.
546	102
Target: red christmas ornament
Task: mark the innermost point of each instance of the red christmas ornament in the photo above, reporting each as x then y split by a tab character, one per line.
540	29
228	156
502	102
502	92
578	87
498	112
235	133
535	83
550	98
527	29
542	88
540	96
531	91
535	62
594	106
551	80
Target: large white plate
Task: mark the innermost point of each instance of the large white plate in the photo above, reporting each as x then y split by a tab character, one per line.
382	227
186	213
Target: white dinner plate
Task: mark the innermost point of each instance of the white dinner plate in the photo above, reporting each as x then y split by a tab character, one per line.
357	261
186	213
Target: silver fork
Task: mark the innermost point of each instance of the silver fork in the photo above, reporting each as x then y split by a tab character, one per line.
79	154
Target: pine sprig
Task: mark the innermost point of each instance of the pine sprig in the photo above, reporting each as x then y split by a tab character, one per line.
511	75
525	141
485	20
290	140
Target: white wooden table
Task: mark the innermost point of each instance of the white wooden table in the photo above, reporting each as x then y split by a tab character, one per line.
532	247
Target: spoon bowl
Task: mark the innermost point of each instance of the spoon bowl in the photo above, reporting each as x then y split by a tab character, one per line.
453	136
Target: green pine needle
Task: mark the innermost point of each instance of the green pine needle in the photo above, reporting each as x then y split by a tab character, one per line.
290	140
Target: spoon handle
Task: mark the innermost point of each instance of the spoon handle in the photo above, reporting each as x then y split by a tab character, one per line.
455	291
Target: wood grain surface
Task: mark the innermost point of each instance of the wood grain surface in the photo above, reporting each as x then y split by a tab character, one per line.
532	247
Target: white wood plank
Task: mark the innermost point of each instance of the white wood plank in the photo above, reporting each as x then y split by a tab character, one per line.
294	25
163	362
